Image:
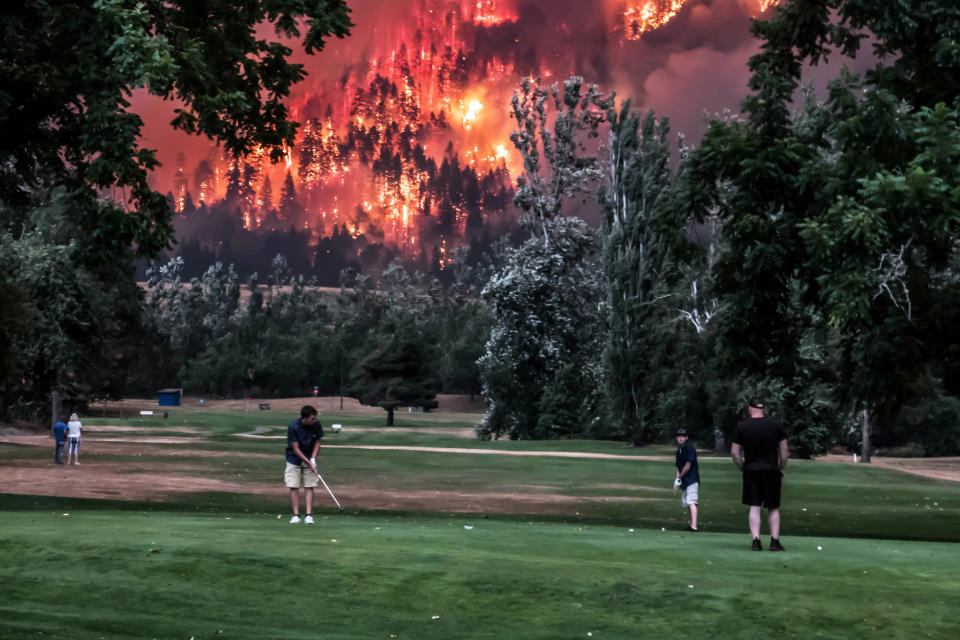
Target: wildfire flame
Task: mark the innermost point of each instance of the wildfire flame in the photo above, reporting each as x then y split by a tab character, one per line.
401	147
650	15
653	14
472	109
492	12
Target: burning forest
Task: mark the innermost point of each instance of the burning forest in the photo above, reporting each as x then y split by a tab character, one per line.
404	146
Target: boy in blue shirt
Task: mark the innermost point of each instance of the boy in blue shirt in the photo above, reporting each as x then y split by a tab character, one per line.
303	443
688	476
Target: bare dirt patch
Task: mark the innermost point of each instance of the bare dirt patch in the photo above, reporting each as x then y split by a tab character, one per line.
140	479
146	440
158	482
133	447
104	481
116	428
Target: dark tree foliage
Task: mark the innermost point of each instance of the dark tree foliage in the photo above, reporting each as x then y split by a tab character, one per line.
395	375
73	325
19	316
72	146
68	69
841	221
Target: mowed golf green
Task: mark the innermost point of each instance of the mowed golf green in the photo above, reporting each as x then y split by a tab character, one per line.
592	550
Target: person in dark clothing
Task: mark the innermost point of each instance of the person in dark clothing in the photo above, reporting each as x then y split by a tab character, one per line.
303	440
59	440
688	477
760	451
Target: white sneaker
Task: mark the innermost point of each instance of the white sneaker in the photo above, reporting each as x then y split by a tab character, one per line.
295	520
308	520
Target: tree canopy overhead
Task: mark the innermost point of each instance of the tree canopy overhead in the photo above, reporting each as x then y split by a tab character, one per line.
68	69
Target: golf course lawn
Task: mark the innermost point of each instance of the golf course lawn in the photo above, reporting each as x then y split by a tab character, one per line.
126	574
453	544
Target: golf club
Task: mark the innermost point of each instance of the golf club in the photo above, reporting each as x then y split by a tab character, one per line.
325	486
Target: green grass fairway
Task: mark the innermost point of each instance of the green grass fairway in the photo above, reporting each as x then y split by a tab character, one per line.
558	547
107	574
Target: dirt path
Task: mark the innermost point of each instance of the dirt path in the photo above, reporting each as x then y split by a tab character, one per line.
466	433
934	468
545	454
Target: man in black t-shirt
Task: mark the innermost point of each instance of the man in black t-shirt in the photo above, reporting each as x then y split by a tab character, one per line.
760	451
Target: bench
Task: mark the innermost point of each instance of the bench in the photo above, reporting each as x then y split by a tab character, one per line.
264	406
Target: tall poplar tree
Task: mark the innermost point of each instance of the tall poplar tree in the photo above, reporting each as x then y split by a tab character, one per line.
640	276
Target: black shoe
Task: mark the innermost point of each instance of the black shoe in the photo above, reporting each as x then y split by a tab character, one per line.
692	529
775	545
756	545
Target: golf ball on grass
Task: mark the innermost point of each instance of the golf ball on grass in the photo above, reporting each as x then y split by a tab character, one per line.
819	548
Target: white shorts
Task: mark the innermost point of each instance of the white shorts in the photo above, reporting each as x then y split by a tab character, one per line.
295	476
690	495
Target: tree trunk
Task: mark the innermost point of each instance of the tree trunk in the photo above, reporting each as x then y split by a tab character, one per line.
865	445
389	417
54	407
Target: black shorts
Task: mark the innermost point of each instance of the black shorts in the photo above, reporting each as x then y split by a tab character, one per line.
762	488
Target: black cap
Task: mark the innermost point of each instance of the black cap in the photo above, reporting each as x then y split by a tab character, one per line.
756	402
681	432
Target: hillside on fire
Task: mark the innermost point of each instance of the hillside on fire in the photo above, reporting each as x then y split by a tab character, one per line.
404	147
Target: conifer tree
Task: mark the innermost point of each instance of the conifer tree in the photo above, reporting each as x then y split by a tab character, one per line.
288	206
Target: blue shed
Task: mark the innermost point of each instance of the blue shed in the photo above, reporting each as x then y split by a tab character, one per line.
169	397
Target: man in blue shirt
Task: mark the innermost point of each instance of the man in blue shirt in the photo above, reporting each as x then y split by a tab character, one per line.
688	476
303	443
60	439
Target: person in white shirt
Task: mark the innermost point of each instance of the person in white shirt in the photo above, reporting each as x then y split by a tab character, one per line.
73	438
